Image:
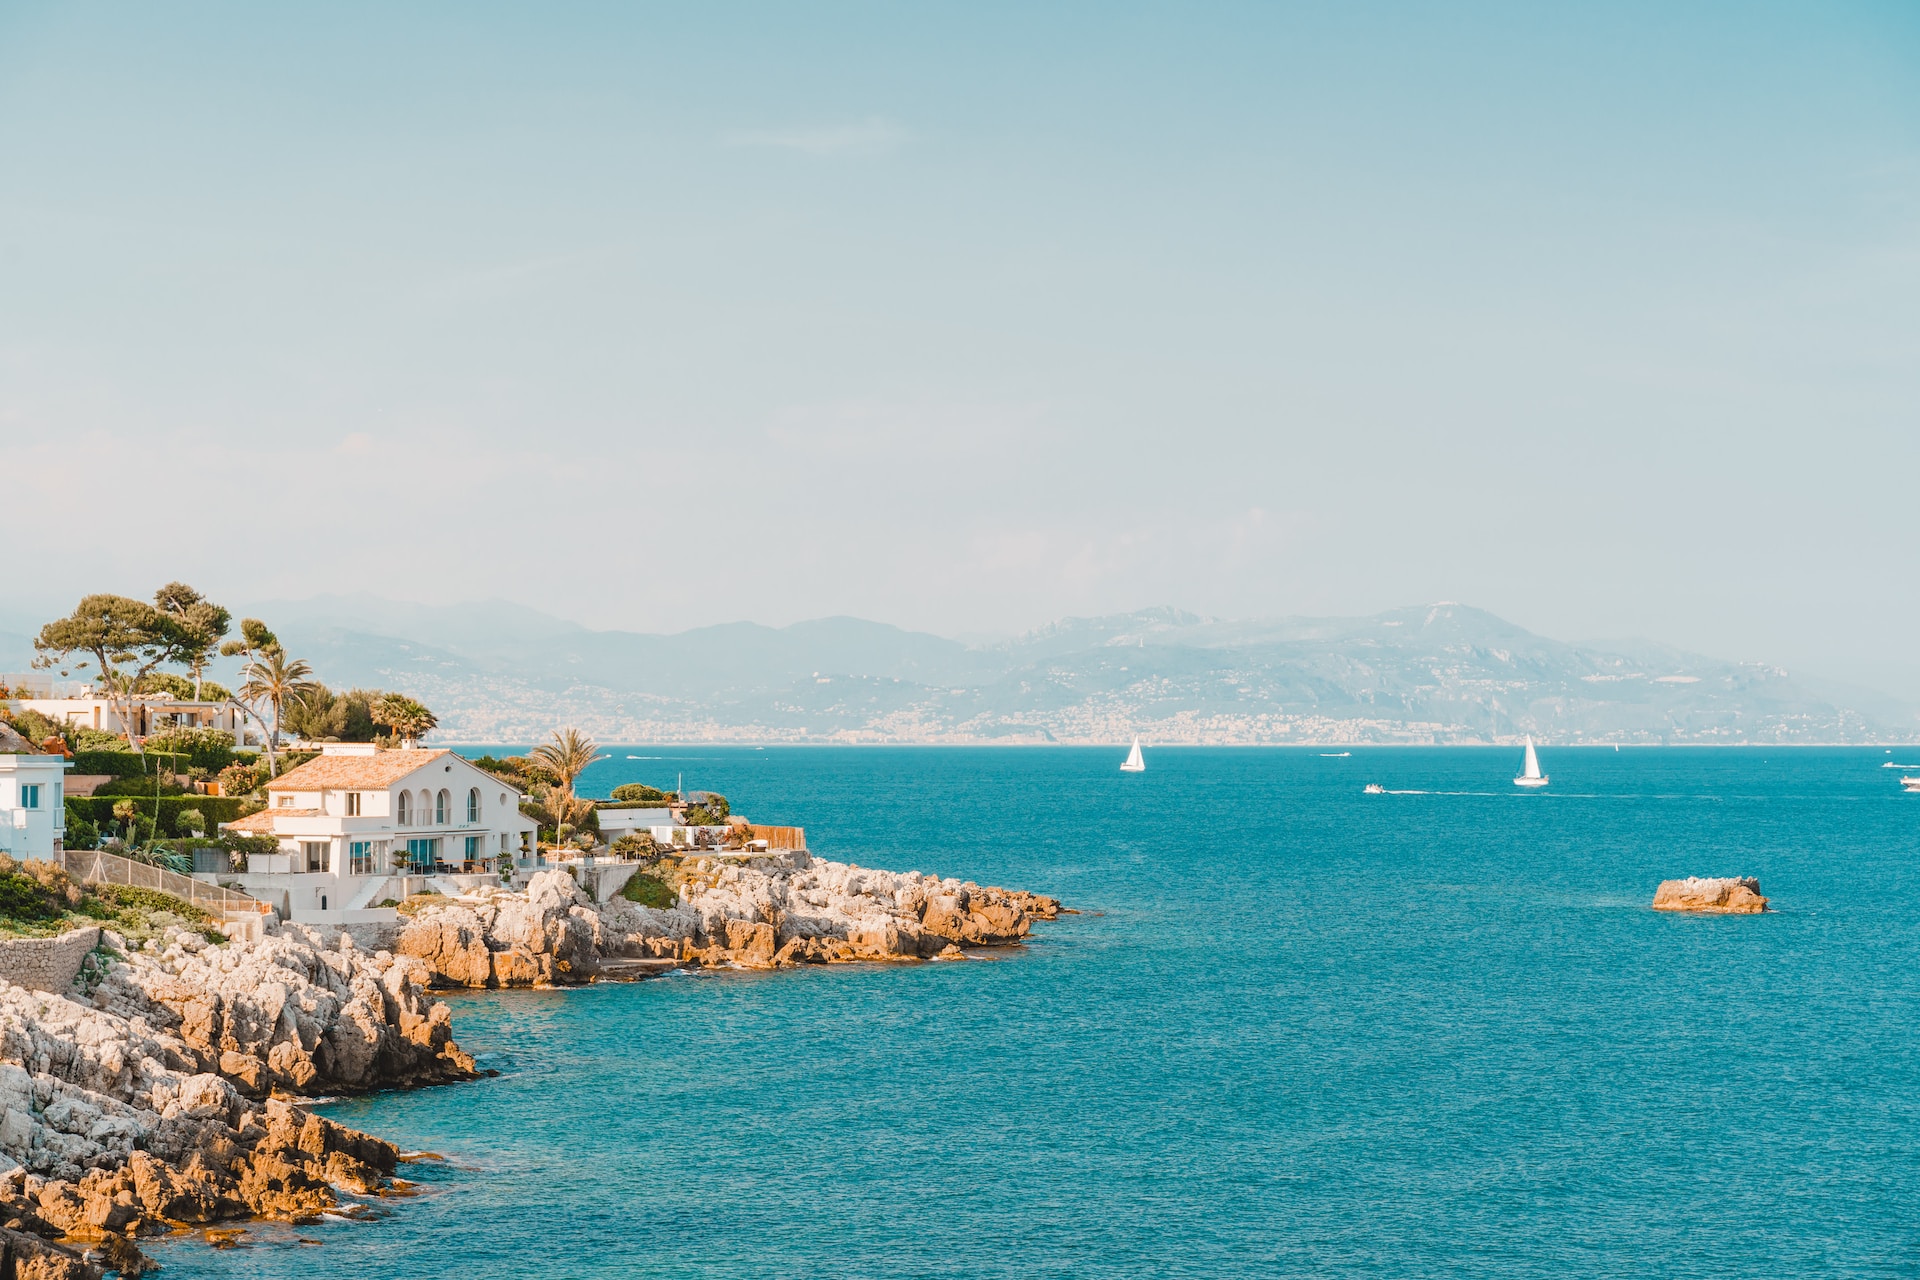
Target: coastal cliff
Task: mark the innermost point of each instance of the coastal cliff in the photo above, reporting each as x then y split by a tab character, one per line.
1711	896
142	1104
155	1094
762	912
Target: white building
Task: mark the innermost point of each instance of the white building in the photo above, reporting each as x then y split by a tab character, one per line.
33	812
359	825
658	823
151	713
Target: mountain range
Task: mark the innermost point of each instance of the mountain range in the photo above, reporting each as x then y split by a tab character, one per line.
1442	673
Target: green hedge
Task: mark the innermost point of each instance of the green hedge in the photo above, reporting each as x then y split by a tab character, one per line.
217	809
125	764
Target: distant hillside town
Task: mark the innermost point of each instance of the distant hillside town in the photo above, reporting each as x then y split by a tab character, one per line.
1439	674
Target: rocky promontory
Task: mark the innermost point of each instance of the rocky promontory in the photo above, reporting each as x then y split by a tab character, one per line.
143	1100
1713	896
760	912
161	1091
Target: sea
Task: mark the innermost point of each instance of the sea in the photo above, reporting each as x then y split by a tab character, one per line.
1294	1030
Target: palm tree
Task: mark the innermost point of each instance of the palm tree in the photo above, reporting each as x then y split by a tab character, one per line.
276	680
566	758
408	719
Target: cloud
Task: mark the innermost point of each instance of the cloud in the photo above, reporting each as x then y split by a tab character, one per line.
870	137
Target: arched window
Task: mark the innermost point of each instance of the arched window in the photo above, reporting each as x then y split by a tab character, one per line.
403	814
423	807
473	805
441	803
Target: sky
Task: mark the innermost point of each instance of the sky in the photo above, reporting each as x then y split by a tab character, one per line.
966	317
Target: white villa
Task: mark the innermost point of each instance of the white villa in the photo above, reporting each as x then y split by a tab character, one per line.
77	704
33	813
661	824
359	825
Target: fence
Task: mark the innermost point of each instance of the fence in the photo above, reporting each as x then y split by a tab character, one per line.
779	837
96	866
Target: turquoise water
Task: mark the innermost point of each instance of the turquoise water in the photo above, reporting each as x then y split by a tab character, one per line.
1300	1031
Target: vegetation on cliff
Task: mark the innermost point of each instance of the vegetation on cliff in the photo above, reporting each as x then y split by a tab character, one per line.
38	900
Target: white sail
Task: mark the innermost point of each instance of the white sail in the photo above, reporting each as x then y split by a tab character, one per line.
1531	775
1134	764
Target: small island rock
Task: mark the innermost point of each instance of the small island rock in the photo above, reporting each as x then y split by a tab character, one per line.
1727	895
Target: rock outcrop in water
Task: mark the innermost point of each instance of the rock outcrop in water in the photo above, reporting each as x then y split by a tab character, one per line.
779	909
1717	896
143	1104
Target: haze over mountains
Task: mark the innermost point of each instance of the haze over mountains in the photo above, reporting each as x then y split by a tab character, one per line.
1443	673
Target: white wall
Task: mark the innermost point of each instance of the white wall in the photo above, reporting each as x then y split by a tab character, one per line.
32	833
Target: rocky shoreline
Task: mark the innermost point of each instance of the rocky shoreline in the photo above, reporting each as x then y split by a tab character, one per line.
161	1093
767	911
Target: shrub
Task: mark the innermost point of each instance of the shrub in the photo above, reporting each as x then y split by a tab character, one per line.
241	780
698	815
634	845
190	820
87	738
210	749
649	891
137	785
639	793
37	728
132	895
100	811
125	763
117	764
81	834
24	898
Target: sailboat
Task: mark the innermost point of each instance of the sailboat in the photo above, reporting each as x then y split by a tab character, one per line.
1133	763
1531	775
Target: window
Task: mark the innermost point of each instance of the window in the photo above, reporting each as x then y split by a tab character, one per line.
286	802
316	854
365	856
474	851
473	805
353	804
505	848
442	803
422	854
403	816
30	796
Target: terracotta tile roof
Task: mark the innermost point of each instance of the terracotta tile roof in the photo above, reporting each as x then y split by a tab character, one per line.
262	822
355	773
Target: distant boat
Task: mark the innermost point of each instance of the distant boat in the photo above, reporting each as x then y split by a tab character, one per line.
1531	775
1335	755
1375	789
1133	763
1911	784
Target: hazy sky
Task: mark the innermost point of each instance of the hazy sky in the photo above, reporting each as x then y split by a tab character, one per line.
966	317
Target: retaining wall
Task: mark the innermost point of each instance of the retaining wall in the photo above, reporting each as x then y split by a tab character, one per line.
46	964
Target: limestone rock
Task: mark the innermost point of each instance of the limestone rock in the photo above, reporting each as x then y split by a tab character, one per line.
1718	896
128	1112
770	911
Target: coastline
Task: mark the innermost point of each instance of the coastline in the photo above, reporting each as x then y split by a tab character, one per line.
171	1092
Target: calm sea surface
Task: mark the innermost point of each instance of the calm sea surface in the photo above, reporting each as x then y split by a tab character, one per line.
1299	1031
